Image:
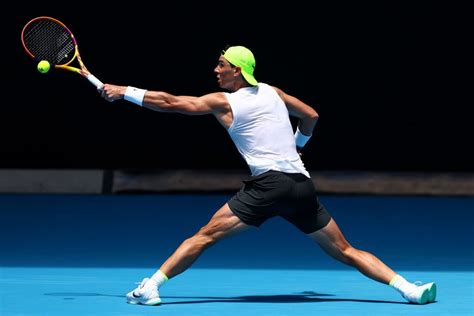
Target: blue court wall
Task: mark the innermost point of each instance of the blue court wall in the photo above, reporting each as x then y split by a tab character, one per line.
409	233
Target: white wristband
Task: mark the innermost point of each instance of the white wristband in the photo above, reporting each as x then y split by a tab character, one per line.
300	138
135	95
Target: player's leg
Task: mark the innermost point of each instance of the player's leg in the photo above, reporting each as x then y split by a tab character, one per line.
222	224
333	242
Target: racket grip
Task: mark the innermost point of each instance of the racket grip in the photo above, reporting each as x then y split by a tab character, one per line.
96	82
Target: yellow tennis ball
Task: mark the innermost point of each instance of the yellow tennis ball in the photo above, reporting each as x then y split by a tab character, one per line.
43	66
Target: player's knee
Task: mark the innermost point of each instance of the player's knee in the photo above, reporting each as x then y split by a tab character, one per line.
204	239
350	254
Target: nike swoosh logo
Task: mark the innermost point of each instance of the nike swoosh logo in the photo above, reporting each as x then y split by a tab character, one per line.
134	295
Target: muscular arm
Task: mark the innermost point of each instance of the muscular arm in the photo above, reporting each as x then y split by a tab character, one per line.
308	117
165	102
214	103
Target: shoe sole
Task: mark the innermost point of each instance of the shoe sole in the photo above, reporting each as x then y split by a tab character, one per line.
429	294
152	302
432	293
425	296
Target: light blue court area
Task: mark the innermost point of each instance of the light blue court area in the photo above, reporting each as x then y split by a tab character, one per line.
100	291
80	254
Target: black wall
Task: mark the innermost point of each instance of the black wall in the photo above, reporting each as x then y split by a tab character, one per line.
389	83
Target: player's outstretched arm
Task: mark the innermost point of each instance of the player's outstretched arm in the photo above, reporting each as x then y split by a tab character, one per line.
166	102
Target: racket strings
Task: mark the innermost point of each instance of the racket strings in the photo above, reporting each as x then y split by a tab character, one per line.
47	40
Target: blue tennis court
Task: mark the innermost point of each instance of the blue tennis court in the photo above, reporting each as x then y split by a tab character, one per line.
80	254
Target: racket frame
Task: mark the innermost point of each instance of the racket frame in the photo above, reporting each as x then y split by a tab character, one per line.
83	71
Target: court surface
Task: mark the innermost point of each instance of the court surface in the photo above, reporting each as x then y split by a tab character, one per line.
80	254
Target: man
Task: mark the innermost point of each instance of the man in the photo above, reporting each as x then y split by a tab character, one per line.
255	115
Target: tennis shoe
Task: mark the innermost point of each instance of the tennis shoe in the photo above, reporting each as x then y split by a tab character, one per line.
144	294
421	294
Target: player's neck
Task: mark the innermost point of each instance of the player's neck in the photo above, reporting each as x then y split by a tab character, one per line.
239	85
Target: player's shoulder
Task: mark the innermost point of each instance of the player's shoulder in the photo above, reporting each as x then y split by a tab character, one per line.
215	97
279	91
274	88
216	100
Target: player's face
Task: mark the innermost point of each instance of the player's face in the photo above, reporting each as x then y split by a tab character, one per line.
225	73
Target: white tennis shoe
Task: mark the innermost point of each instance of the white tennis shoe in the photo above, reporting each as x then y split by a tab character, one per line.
421	294
144	294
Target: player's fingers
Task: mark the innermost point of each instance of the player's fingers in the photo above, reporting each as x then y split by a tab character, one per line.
104	94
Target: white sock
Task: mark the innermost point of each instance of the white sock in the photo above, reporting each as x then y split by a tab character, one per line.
158	279
400	284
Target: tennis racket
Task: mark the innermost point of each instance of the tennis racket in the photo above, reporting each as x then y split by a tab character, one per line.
45	38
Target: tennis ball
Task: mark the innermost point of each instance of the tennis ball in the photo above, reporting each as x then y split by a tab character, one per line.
43	66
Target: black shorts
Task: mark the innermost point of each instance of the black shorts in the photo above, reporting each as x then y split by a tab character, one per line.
273	193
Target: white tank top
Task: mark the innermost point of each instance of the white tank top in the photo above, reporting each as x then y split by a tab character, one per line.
262	131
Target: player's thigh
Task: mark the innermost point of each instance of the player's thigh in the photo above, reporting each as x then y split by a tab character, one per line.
223	223
331	239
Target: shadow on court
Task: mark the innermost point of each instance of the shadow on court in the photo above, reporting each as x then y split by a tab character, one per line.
303	297
71	295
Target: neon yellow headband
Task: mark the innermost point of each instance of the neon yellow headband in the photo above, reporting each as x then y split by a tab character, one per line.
242	57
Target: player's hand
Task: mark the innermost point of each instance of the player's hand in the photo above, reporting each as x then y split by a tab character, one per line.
111	92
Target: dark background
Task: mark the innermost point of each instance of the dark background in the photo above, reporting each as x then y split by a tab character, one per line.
388	81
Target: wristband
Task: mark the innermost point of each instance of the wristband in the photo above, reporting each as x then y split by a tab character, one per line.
135	95
300	138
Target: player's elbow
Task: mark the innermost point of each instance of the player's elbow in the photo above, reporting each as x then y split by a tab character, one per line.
313	115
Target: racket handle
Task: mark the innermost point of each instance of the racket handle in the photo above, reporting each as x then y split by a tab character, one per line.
96	82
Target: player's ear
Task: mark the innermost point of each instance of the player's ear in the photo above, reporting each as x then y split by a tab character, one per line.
237	71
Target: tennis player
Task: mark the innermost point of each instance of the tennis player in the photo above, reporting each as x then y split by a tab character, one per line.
256	116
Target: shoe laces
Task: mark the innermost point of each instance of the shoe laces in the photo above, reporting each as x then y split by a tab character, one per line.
142	283
140	286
